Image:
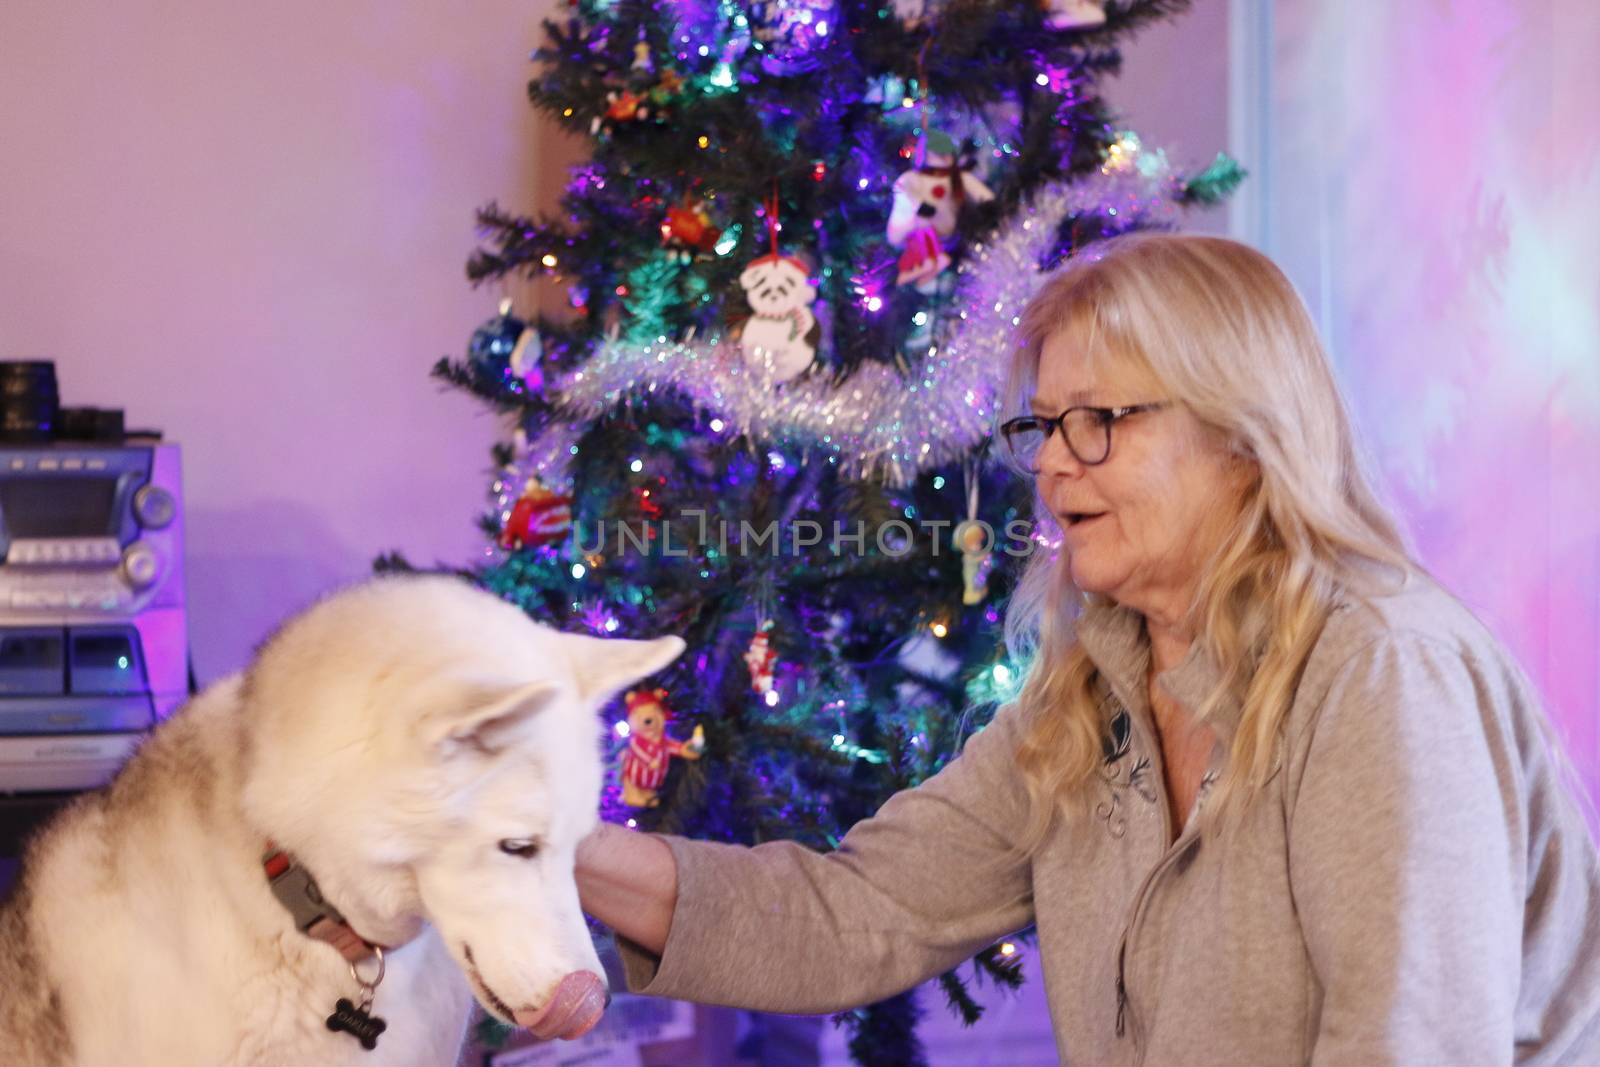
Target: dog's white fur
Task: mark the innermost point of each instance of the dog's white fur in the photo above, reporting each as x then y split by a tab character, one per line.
390	738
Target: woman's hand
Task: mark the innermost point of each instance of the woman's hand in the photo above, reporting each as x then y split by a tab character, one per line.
629	881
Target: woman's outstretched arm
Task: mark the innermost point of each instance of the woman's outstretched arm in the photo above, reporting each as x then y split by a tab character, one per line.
908	894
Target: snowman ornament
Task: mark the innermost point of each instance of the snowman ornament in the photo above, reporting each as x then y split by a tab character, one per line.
927	204
779	337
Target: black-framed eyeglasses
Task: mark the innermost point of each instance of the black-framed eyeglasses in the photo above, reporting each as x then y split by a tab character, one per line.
1086	430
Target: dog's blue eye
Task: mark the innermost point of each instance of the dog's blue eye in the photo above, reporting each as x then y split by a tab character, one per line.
524	847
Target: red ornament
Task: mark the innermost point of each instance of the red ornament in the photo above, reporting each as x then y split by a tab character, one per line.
688	230
621	106
761	658
539	517
625	106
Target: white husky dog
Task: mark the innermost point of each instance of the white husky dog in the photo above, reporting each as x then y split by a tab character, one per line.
398	780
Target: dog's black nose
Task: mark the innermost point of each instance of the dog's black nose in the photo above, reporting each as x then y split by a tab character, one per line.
927	211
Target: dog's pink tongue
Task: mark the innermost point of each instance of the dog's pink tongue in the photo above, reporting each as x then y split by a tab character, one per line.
573	1010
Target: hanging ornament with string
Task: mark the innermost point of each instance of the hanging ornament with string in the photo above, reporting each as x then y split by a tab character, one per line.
975	540
927	205
762	659
780	337
928	200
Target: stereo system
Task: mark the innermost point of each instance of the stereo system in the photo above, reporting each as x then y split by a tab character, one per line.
93	632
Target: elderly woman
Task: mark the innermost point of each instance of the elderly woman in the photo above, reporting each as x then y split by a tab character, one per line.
1269	794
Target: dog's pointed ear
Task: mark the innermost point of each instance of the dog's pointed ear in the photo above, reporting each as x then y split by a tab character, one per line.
603	667
494	724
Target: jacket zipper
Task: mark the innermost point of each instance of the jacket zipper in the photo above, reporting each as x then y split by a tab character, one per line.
1124	1011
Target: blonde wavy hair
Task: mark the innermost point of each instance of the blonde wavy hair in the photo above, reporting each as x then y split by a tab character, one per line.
1221	331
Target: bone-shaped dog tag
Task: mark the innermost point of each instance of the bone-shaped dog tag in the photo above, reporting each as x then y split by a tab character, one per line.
354	1020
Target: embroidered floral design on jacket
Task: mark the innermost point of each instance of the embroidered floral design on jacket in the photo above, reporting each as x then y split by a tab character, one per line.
1122	774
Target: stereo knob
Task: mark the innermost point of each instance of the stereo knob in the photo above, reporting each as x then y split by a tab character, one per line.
154	507
140	565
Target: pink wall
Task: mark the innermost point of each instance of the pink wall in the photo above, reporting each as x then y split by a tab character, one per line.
246	224
1435	192
1173	91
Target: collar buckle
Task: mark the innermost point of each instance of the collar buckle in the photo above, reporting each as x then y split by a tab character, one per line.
312	913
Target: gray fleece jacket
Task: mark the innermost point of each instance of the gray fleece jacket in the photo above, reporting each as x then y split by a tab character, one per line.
1416	885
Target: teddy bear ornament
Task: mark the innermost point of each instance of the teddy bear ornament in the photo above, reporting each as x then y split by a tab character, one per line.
645	760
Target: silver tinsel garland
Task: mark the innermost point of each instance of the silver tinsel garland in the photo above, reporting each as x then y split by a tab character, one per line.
881	423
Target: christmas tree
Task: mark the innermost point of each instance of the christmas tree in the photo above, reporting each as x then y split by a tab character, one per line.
793	262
